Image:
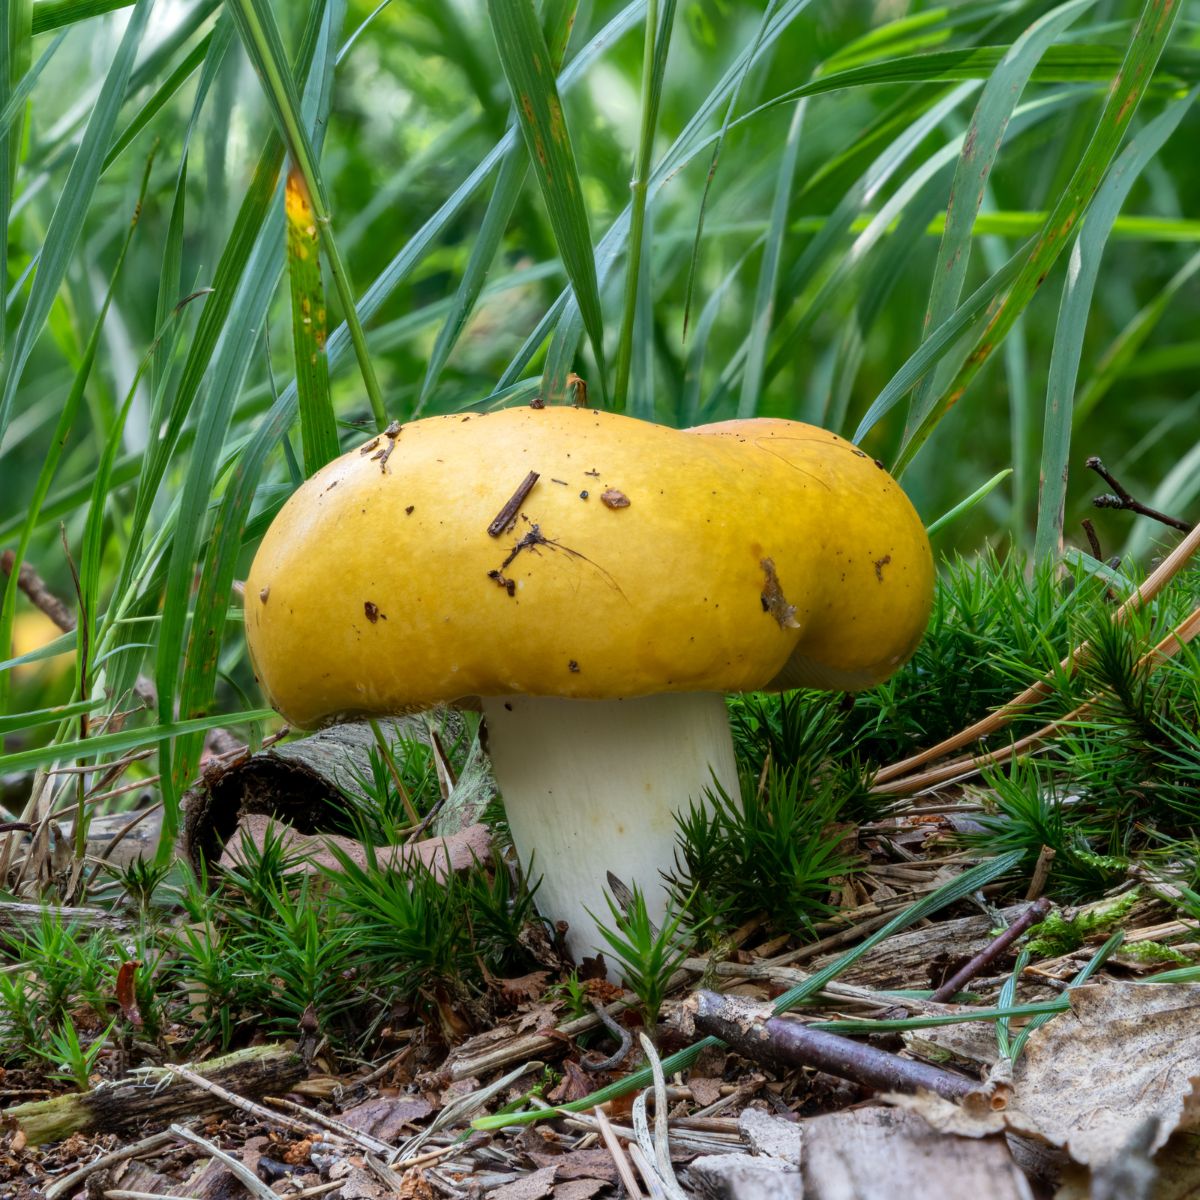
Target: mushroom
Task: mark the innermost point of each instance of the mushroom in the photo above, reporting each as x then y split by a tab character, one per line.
598	583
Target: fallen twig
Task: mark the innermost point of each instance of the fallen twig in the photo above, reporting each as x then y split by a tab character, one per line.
34	586
618	1155
623	1036
1123	500
1019	705
254	1185
782	1043
898	783
1031	916
68	1183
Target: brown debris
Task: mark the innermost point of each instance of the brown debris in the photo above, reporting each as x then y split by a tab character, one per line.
773	599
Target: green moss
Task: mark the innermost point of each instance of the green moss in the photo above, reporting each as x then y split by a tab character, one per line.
1154	952
1056	935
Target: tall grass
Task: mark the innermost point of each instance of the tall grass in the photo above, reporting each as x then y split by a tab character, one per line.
963	235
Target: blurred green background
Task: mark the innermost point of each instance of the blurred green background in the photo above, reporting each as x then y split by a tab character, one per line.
804	294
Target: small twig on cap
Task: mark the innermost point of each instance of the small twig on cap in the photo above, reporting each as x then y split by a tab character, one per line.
1031	916
505	517
1124	500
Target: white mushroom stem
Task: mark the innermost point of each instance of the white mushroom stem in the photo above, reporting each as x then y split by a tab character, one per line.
592	786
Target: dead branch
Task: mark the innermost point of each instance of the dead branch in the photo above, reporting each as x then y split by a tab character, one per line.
783	1044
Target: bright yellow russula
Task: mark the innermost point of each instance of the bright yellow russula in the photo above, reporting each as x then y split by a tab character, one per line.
579	555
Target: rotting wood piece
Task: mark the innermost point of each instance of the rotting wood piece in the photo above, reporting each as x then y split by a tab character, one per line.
16	918
783	1044
125	1104
304	783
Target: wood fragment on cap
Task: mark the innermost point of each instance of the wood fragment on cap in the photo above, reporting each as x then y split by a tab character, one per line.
505	517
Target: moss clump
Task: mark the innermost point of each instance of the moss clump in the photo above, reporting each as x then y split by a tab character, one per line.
1056	935
1154	952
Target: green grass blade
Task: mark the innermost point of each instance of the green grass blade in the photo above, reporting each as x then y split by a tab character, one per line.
1124	350
879	279
563	316
1154	27
1072	63
246	314
54	451
1089	969
966	883
965	506
90	558
981	146
940	341
1078	290
318	426
510	181
730	109
995	253
225	542
54	14
525	60
160	98
126	740
70	213
762	318
654	65
169	293
260	36
42	717
18	95
690	408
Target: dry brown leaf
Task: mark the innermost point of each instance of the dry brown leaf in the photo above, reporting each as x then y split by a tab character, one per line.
528	1187
386	1117
945	1116
1089	1078
705	1089
577	1164
574	1084
1124	1051
880	1154
414	1186
360	1184
523	987
537	1017
578	1189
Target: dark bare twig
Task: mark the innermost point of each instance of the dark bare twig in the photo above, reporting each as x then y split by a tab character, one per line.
782	1044
1093	541
1123	500
1031	916
505	517
620	1033
32	584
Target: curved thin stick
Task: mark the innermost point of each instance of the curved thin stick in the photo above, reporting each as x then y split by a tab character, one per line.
1167	570
964	768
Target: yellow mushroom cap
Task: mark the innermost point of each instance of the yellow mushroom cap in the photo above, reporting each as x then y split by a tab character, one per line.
642	559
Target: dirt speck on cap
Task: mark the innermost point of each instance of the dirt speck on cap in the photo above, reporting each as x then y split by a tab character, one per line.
614	498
